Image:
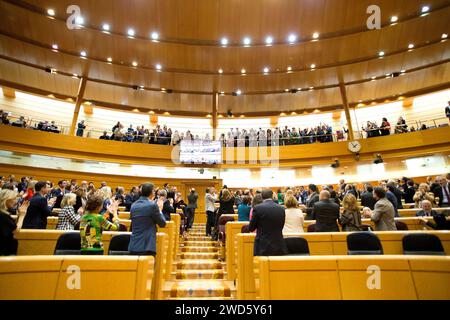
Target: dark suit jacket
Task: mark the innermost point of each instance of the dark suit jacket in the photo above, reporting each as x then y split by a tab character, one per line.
192	200
409	194
37	213
367	200
326	213
310	204
268	219
398	194
167	209
438	192
393	199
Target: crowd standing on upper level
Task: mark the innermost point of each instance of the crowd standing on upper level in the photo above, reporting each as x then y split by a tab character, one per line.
26	203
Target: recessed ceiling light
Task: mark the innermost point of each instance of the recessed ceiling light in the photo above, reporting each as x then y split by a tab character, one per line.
105	27
381	53
425	9
247	41
243	71
315	35
154	35
55	46
158	67
131	32
444	36
79	20
83	53
51	12
134	64
292	38
109	59
286	90
289	68
266	70
269	40
311	88
374	77
220	71
222	93
313	66
394	19
163	89
75	75
224	41
238	92
410	46
141	87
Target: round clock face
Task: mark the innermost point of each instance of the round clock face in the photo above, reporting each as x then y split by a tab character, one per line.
354	146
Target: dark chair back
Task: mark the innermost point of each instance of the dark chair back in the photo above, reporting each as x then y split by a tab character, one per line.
221	229
69	243
363	243
244	229
297	246
401	225
312	227
422	244
119	245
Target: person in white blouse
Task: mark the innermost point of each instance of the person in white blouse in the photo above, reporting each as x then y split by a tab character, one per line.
294	216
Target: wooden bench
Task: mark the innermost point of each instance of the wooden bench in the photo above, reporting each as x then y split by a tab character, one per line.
327	243
349	278
100	277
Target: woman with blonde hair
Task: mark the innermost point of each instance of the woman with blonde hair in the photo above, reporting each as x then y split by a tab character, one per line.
68	218
294	216
350	219
423	194
9	227
30	190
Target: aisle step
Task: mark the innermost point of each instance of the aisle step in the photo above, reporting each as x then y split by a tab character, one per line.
199	255
199	249
199	288
197	238
202	264
200	274
200	243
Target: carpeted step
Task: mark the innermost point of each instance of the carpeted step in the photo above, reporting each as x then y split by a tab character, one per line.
202	264
202	243
199	249
199	255
200	274
197	238
200	288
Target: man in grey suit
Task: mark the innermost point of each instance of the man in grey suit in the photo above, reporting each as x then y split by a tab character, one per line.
190	209
145	214
326	213
384	213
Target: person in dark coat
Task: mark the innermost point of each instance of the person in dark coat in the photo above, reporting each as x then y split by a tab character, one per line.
268	220
312	199
39	208
167	204
367	199
326	213
190	209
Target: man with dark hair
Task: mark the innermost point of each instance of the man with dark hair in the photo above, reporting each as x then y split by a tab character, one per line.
392	198
190	209
145	214
442	191
326	213
167	204
383	214
312	199
268	220
367	199
409	192
397	193
39	208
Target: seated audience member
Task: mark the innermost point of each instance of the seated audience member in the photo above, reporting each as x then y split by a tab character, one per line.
268	219
8	227
119	195
39	208
244	209
441	222
385	127
92	224
68	218
312	199
383	214
132	197
294	216
427	210
167	204
104	136
210	199
4	119
367	199
442	191
145	214
423	194
326	213
350	220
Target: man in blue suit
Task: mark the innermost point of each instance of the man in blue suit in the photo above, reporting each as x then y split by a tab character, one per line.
145	214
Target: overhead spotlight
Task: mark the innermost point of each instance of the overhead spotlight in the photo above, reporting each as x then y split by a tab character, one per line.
289	68
410	46
336	164
134	64
381	53
292	38
269	40
286	90
313	66
222	93
444	36
220	71
105	27
109	59
236	93
247	41
394	19
378	159
266	70
154	35
243	71
373	78
55	46
294	90
131	32
425	9
51	12
83	53
315	35
158	67
224	41
79	20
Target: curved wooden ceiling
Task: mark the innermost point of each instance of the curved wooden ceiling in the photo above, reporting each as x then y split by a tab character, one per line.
189	51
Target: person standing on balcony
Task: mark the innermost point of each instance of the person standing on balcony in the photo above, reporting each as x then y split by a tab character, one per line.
81	127
447	111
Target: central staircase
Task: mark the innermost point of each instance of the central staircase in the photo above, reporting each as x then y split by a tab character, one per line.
199	272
